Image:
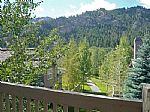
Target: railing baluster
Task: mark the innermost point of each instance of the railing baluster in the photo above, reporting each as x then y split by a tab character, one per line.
1	103
36	106
89	110
54	107
20	104
7	103
13	103
45	106
28	105
76	109
65	108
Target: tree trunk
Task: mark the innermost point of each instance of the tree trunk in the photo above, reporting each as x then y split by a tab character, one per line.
54	77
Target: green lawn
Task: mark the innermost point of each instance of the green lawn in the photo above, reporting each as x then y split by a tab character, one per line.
98	83
87	88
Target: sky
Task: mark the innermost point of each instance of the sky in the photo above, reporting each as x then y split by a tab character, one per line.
58	8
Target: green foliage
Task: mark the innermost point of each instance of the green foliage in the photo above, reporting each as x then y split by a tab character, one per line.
76	63
70	63
81	62
97	57
139	73
19	33
28	65
14	18
84	60
113	70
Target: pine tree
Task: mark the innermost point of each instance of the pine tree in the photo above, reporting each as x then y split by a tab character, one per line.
139	73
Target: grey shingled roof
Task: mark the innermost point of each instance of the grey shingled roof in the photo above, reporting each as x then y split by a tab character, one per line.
4	54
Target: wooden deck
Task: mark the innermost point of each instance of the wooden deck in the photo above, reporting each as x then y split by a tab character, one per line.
21	98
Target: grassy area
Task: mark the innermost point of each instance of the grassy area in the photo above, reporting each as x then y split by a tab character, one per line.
87	88
99	84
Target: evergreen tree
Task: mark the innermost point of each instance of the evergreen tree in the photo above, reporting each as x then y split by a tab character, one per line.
139	73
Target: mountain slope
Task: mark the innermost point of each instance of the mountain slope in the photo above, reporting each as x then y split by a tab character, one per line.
102	28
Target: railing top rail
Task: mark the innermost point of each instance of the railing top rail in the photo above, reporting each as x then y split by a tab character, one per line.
75	99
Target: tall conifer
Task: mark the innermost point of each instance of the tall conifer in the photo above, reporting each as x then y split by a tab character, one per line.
139	73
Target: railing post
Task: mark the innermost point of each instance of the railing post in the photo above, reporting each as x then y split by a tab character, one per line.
13	103
65	108
7	103
45	106
146	98
1	102
36	106
28	105
76	109
20	104
54	107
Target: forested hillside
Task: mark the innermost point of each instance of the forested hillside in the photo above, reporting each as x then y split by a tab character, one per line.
102	28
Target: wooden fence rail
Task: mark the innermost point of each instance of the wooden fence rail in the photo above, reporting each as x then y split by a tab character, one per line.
21	98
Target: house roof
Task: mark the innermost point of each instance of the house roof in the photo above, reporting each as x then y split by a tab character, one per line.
4	54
